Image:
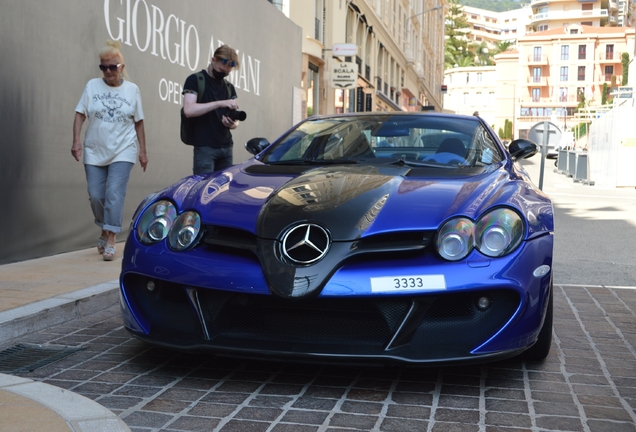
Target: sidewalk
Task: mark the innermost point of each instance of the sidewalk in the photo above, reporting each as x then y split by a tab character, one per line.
39	293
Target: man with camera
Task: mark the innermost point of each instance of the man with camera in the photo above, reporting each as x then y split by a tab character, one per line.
213	113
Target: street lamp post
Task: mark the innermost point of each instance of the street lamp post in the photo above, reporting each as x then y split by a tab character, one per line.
426	11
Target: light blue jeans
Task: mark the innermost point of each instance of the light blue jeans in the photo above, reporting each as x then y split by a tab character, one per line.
106	193
208	159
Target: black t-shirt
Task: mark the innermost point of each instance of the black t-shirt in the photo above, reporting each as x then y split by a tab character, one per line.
209	131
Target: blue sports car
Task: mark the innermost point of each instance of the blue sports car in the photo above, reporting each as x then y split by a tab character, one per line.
377	237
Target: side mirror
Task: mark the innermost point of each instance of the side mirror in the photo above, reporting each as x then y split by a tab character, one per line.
522	149
256	145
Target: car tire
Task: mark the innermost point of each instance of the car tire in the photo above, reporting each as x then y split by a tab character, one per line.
540	350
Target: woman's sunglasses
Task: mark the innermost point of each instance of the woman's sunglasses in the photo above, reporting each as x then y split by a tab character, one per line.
112	68
226	61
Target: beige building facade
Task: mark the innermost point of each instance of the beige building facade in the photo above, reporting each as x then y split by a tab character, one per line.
494	27
560	68
553	14
470	90
548	73
398	54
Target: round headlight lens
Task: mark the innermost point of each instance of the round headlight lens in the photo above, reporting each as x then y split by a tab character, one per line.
455	239
184	231
155	222
158	230
499	232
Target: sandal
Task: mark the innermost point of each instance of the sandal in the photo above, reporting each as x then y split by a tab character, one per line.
109	252
101	244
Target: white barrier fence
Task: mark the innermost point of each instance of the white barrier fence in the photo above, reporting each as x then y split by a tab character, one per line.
612	147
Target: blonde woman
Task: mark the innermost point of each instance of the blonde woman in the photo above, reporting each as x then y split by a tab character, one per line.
114	138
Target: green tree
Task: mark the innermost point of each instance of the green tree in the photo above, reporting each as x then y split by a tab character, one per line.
481	54
604	95
582	101
456	46
503	46
495	6
625	63
508	129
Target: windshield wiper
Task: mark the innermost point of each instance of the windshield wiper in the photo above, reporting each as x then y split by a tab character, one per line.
417	164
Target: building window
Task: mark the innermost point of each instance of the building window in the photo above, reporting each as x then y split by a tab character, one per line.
536	95
563	94
582	50
536	54
313	90
581	73
542	27
580	94
479	77
536	75
609	71
565	52
465	99
609	52
564	73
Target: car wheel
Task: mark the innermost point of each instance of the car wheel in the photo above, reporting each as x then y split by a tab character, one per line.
540	350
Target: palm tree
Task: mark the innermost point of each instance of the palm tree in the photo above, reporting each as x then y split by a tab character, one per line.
481	54
503	46
465	61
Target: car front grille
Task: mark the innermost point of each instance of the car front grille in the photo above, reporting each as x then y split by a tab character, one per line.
235	240
426	327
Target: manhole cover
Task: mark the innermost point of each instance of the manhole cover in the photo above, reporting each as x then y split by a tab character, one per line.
27	358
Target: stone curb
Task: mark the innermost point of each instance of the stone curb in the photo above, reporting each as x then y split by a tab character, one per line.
80	413
36	316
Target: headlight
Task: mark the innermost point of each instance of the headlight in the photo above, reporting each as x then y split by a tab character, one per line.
155	222
495	234
185	231
455	239
498	232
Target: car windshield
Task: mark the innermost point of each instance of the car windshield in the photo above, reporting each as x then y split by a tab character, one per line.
421	140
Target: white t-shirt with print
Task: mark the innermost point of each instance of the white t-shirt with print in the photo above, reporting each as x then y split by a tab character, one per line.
111	113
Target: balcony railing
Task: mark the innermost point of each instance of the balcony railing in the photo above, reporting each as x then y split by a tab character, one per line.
538	59
551	101
536	119
538	81
569	15
609	57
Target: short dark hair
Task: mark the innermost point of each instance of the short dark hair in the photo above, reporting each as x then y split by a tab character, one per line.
227	52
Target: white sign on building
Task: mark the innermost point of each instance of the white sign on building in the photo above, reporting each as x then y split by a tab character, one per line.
344	75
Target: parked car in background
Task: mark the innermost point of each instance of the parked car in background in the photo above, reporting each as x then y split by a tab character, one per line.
378	237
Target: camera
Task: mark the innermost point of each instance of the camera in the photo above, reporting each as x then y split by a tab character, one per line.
236	115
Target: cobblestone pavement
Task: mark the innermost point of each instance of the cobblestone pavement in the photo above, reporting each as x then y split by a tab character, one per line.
588	383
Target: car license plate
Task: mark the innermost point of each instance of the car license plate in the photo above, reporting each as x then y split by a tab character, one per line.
408	283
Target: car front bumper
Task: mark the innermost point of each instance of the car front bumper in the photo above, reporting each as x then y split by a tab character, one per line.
199	300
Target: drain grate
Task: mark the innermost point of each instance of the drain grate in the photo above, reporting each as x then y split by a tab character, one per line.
27	358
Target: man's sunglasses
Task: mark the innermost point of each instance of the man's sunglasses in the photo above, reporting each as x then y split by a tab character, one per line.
112	68
226	61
